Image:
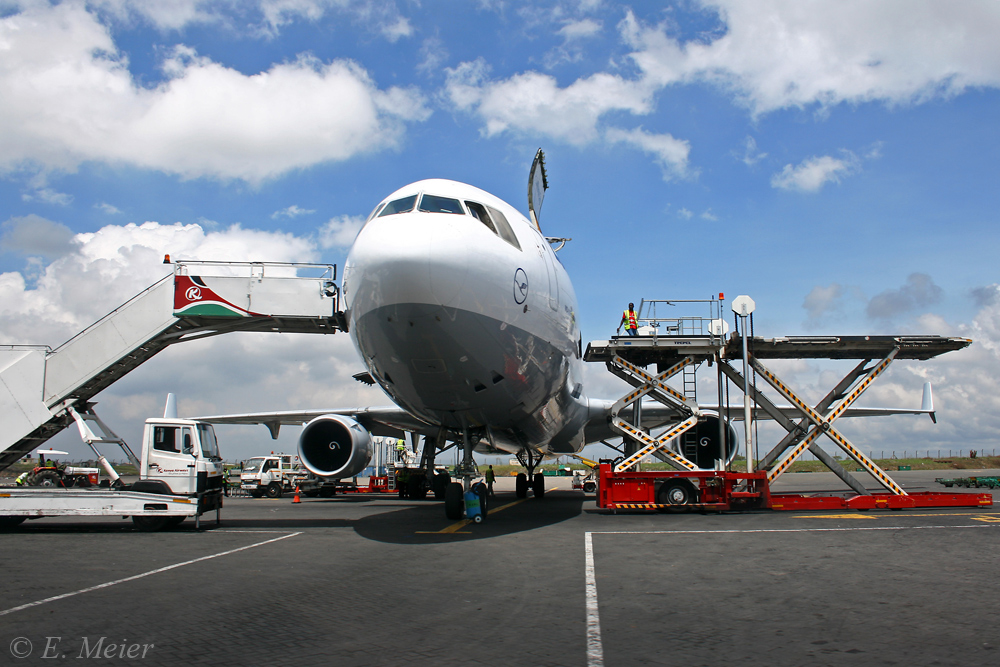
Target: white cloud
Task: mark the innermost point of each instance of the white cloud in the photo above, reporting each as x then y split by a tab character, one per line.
896	51
48	196
433	54
292	211
751	154
534	103
813	173
340	232
582	29
821	300
105	207
69	97
708	215
670	153
685	213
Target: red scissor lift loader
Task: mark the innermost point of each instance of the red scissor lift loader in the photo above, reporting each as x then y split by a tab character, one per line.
697	483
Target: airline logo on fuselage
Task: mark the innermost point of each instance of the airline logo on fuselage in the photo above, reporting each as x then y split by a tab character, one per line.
193	294
520	286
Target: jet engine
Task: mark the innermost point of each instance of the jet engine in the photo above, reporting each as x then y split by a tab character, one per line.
706	436
335	446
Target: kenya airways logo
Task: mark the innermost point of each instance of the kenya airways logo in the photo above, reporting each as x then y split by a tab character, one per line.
193	294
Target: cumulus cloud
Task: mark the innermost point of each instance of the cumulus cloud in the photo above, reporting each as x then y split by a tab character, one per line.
292	211
433	54
105	207
813	173
532	102
822	299
918	292
69	98
898	51
340	232
35	235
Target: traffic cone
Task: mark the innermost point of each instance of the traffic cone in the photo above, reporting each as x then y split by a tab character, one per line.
296	499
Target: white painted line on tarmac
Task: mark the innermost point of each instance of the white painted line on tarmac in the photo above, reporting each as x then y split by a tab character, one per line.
140	576
595	646
595	649
783	530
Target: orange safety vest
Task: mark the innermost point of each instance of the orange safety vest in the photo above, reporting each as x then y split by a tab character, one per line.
630	316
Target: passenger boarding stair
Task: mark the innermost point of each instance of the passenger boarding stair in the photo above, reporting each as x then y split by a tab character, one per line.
38	384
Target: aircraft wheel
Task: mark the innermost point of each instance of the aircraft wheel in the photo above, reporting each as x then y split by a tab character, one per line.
677	492
483	492
415	488
150	524
273	490
454	503
521	485
538	485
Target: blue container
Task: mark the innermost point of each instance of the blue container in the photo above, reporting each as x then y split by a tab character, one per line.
473	510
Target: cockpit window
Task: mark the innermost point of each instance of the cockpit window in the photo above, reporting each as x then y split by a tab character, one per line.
503	227
435	204
478	212
404	205
375	212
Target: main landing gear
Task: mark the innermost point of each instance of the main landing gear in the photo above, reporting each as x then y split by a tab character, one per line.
529	460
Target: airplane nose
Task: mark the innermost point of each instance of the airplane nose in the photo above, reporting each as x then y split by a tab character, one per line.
409	258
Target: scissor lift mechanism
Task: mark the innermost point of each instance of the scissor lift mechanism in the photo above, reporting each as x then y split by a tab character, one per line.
621	487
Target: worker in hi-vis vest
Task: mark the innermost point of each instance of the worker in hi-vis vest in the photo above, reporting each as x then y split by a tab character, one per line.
630	321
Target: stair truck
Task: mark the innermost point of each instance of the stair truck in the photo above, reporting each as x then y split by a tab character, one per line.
180	476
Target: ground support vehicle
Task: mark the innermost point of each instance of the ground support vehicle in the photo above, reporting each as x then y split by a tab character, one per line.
180	476
990	482
272	475
725	491
49	475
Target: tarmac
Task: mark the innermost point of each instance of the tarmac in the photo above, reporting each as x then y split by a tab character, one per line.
363	580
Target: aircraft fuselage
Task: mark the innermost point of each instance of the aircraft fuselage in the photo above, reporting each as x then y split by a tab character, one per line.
465	317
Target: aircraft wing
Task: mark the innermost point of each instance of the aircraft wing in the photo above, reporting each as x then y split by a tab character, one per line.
382	421
656	414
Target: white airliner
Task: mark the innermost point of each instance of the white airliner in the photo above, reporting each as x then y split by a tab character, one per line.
463	314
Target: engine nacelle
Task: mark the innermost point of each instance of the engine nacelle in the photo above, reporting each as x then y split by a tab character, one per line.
706	433
335	446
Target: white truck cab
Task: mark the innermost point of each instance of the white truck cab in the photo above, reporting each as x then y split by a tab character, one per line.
182	455
272	475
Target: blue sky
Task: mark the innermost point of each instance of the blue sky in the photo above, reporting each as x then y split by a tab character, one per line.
834	160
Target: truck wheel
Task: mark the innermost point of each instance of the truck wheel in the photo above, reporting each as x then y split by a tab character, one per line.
150	524
174	521
521	485
589	487
256	494
46	478
538	485
677	492
327	491
8	522
273	490
454	503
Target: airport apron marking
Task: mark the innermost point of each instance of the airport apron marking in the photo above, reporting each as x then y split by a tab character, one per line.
454	528
140	576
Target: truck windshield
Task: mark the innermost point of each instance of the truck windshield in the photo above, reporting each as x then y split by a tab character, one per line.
253	465
209	445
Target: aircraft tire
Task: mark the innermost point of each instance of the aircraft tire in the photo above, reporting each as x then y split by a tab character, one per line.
454	502
415	488
521	485
538	485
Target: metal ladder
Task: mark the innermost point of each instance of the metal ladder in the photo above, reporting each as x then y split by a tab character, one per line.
689	379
